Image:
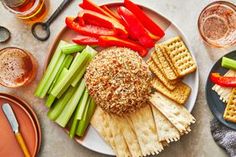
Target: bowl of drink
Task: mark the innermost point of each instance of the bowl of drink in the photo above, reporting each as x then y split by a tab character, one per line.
17	67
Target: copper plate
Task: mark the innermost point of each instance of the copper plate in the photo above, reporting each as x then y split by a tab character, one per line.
29	128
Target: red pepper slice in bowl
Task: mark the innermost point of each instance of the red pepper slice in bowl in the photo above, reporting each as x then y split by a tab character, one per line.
101	20
104	7
89	5
85	40
224	81
89	30
146	21
135	27
114	41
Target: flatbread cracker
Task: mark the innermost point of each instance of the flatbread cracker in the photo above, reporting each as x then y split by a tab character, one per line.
145	129
230	110
154	68
177	114
100	121
224	92
167	68
180	94
166	130
119	140
129	136
180	56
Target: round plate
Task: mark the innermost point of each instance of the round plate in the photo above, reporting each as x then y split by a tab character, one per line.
92	140
27	127
216	106
30	111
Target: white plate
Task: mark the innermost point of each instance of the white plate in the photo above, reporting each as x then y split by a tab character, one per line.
92	140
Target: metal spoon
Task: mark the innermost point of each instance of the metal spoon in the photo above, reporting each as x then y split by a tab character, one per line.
41	30
4	34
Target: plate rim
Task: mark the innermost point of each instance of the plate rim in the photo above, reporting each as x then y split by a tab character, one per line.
196	88
209	91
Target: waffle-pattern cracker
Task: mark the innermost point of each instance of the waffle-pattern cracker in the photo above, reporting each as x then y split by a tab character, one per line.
224	92
166	66
144	126
177	114
180	94
166	130
230	110
180	56
154	68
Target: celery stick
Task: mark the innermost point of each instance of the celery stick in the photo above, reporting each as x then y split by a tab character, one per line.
85	101
72	71
51	98
79	75
84	122
228	63
66	64
72	48
92	53
65	115
58	107
82	105
48	74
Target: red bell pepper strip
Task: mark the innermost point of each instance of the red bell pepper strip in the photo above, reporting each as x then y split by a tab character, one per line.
154	37
89	5
135	27
104	7
114	41
102	20
89	30
85	40
224	81
146	21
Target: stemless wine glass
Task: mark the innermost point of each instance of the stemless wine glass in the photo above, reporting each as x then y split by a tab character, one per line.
17	67
217	24
28	10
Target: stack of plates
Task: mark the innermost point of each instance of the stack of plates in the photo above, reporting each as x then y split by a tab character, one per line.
28	124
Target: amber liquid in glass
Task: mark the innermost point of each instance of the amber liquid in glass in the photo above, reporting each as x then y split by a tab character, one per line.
30	10
17	67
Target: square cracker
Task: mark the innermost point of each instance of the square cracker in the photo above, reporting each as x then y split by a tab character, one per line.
180	94
230	110
129	136
156	60
154	68
144	126
166	130
166	66
177	114
100	121
224	92
180	56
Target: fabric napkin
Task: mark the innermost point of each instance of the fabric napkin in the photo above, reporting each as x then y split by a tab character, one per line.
224	137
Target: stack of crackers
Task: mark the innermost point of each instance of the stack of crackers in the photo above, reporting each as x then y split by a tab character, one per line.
228	96
146	131
170	62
